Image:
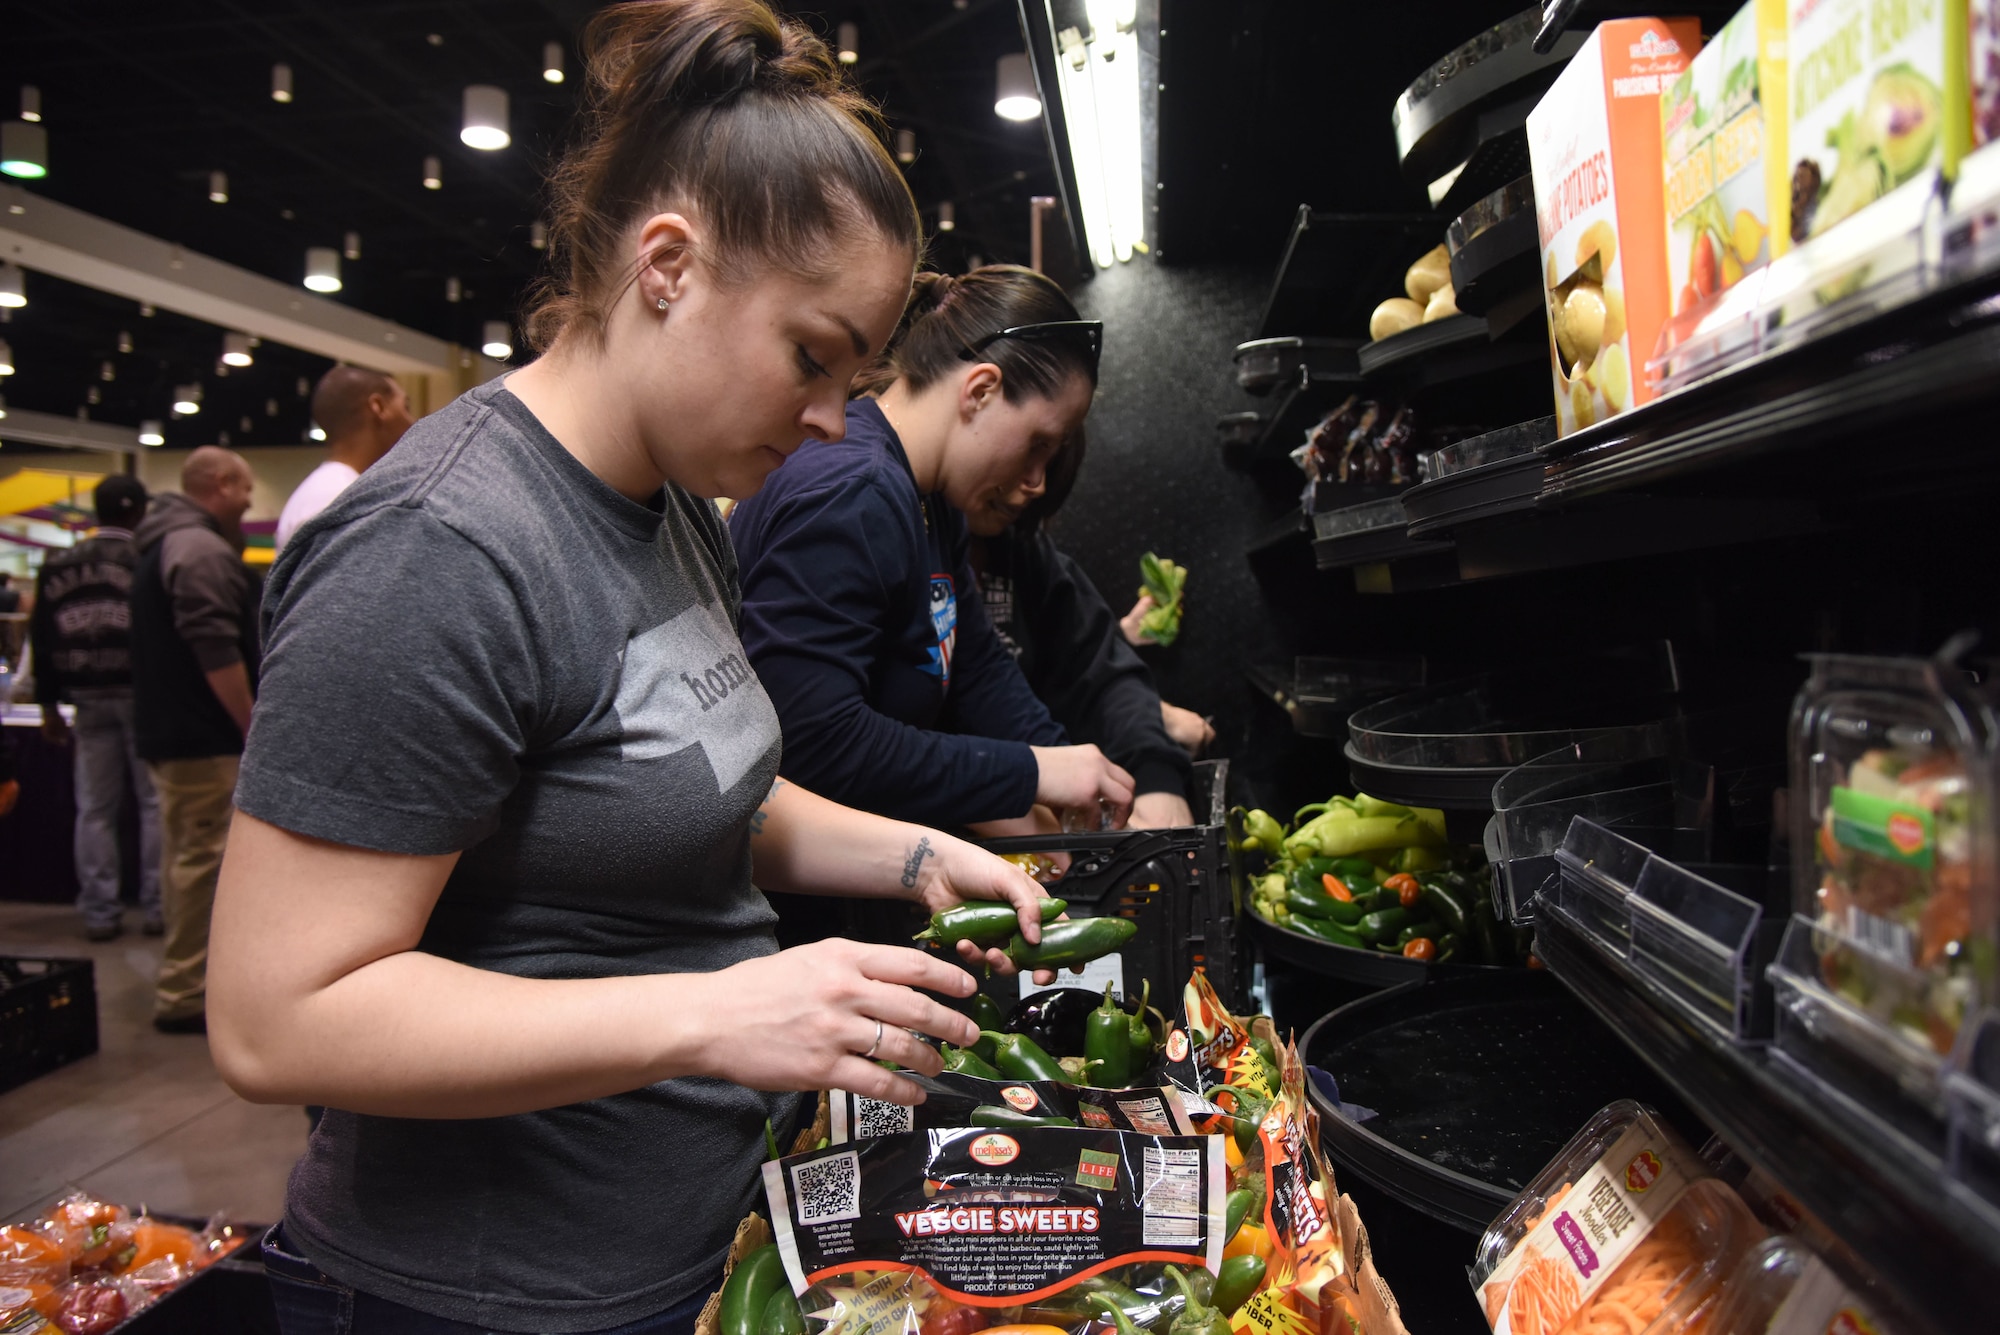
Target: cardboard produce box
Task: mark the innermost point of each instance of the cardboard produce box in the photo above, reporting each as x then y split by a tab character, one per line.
1594	141
1722	128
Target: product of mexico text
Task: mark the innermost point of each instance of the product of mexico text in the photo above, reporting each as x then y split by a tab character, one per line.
1025	1227
1625	1233
1594	142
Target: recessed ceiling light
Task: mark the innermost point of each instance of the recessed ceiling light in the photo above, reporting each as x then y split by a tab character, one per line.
218	187
146	309
152	433
124	341
496	340
107	372
453	290
848	38
6	358
187	400
485	126
433	174
538	234
552	61
435	39
13	285
236	349
1015	97
906	145
281	82
350	246
947	216
315	434
322	269
31	102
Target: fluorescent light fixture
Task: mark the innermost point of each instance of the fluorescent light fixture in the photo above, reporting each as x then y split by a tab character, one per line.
152	433
24	150
485	118
552	61
906	145
538	234
13	285
218	187
323	269
947	216
1098	80
31	102
496	340
6	358
187	400
350	246
1015	98
433	174
235	349
316	434
848	39
281	82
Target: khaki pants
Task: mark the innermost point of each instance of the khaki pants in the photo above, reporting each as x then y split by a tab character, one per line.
196	798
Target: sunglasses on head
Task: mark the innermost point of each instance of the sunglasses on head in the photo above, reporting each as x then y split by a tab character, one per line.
1089	333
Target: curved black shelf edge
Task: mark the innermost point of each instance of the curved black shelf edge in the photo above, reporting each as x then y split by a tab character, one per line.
1934	1253
1376	968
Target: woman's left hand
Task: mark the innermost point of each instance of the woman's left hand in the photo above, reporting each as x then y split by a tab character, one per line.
952	872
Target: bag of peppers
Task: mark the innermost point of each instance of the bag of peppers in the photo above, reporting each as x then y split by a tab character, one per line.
955	1099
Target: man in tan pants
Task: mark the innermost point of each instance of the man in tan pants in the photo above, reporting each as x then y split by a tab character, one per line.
194	675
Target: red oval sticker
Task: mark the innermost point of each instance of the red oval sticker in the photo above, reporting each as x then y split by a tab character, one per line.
1021	1097
1177	1045
995	1149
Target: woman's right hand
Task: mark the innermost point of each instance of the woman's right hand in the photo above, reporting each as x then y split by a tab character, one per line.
1081	777
802	1018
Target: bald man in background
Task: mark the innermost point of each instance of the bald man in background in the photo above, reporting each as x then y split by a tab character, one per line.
364	413
194	676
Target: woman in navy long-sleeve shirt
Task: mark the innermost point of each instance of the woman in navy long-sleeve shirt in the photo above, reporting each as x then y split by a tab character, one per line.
860	613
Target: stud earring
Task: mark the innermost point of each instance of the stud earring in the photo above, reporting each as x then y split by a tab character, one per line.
661	303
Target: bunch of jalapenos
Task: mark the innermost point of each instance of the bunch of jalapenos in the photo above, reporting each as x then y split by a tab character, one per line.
1341	875
1117	1048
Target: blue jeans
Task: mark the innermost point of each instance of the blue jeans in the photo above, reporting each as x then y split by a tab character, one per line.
310	1302
103	741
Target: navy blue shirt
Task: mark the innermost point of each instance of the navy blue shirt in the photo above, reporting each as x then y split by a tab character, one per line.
861	616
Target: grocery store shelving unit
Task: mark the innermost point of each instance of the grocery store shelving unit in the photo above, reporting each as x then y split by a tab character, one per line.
1929	1249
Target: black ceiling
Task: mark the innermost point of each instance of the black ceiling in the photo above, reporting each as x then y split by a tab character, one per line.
142	101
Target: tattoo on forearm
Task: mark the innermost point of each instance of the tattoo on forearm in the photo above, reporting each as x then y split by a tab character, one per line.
763	812
915	862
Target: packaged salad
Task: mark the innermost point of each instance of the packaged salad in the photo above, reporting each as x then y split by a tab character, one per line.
1891	796
1783	1288
1626	1232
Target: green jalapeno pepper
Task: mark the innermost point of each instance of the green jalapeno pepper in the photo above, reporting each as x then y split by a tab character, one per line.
1326	930
984	924
993	1114
1114	1311
1381	926
747	1291
1241	1203
1107	1041
1319	904
967	1062
1076	941
1139	1029
1196	1317
1238	1279
1021	1058
782	1315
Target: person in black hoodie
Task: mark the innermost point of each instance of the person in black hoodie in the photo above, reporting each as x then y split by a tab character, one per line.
82	636
1068	644
194	676
860	613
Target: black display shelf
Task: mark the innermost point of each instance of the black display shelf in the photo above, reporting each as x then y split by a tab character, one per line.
1932	1253
1376	968
1446	351
1379	546
1898	370
1437	119
1265	364
1287	527
1318	694
1485	477
1338	267
1496	252
1280	428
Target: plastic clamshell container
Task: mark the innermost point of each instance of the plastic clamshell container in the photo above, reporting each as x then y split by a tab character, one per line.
1972	1096
1781	1287
1509	442
1893	823
1665	1263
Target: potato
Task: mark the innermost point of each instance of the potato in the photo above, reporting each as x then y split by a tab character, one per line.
1601	240
1583	315
1394	316
1427	275
1614	316
1443	304
1580	403
1613	377
1559	323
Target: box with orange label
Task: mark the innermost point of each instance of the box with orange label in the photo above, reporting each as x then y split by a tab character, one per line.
1594	141
1722	127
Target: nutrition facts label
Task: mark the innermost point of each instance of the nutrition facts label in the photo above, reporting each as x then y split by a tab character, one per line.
1171	1196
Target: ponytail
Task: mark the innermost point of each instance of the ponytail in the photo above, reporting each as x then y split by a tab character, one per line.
741	118
947	315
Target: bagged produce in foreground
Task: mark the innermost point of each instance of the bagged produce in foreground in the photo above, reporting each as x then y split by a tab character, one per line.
1626	1232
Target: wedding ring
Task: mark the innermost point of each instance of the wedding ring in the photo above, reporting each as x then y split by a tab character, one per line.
877	1043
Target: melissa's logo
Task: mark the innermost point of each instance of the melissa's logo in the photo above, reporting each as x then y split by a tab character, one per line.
1021	1097
1177	1045
994	1150
1651	45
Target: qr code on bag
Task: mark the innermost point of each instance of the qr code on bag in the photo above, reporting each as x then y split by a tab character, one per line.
873	1117
828	1189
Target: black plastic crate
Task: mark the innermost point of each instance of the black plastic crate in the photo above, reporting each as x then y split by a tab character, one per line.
48	1016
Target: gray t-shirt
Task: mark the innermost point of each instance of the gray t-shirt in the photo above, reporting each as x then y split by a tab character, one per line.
481	648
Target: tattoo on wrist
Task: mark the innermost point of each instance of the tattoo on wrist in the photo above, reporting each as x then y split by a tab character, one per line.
915	862
762	813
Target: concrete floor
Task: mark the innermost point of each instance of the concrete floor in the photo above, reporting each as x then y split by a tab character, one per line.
146	1121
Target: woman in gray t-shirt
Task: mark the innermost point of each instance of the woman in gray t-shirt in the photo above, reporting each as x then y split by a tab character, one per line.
489	896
